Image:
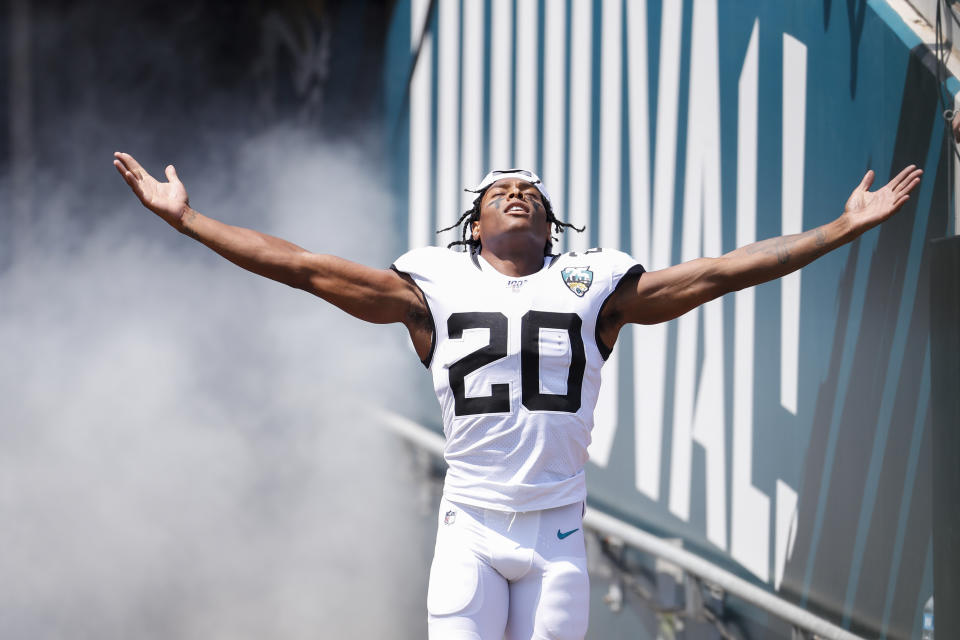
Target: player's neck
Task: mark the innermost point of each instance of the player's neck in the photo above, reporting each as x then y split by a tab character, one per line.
516	263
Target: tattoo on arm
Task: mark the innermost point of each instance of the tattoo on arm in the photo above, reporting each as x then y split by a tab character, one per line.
780	247
821	238
188	217
783	250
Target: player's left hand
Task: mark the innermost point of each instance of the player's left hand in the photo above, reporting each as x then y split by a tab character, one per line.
866	209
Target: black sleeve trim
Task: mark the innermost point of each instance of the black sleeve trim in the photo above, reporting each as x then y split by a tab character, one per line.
433	324
604	350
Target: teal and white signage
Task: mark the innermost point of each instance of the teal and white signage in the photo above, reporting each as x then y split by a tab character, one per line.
781	431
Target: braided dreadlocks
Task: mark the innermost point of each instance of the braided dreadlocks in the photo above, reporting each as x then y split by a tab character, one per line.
473	214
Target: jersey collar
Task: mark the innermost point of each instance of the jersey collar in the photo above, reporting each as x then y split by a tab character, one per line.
481	263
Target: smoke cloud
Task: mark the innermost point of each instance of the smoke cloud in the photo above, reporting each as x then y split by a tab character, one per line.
183	451
182	448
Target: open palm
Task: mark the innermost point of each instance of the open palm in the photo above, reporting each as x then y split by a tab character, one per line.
866	209
166	199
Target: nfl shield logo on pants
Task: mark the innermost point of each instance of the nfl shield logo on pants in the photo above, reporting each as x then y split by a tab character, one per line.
450	517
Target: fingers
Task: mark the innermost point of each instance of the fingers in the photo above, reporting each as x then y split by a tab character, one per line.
129	162
912	181
898	203
907	184
120	165
902	192
903	182
126	164
904	176
128	177
171	173
131	171
120	168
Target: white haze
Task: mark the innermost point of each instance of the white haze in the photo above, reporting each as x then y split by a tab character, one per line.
182	451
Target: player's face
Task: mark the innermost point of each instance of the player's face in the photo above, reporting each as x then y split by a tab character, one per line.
512	205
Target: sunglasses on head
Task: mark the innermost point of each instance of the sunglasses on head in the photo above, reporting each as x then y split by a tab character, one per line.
500	174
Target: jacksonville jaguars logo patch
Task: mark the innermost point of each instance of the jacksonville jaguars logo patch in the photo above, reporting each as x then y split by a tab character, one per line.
578	279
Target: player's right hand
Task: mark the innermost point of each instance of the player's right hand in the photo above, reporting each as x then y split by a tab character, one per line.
166	199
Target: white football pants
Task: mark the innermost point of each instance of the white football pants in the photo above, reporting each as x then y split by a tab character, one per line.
519	576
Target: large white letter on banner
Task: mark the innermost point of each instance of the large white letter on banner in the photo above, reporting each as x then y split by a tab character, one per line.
700	416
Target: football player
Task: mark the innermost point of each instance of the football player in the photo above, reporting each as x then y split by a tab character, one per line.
514	337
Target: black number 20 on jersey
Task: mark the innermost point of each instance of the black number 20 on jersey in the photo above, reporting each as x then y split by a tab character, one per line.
499	399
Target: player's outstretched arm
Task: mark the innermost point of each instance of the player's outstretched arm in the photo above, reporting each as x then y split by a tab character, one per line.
668	293
374	295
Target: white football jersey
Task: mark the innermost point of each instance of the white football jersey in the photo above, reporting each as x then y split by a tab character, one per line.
516	367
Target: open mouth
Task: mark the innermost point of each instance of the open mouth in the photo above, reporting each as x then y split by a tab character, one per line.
516	208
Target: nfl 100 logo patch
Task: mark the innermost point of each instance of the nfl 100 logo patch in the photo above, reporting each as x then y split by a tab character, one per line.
450	517
578	279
